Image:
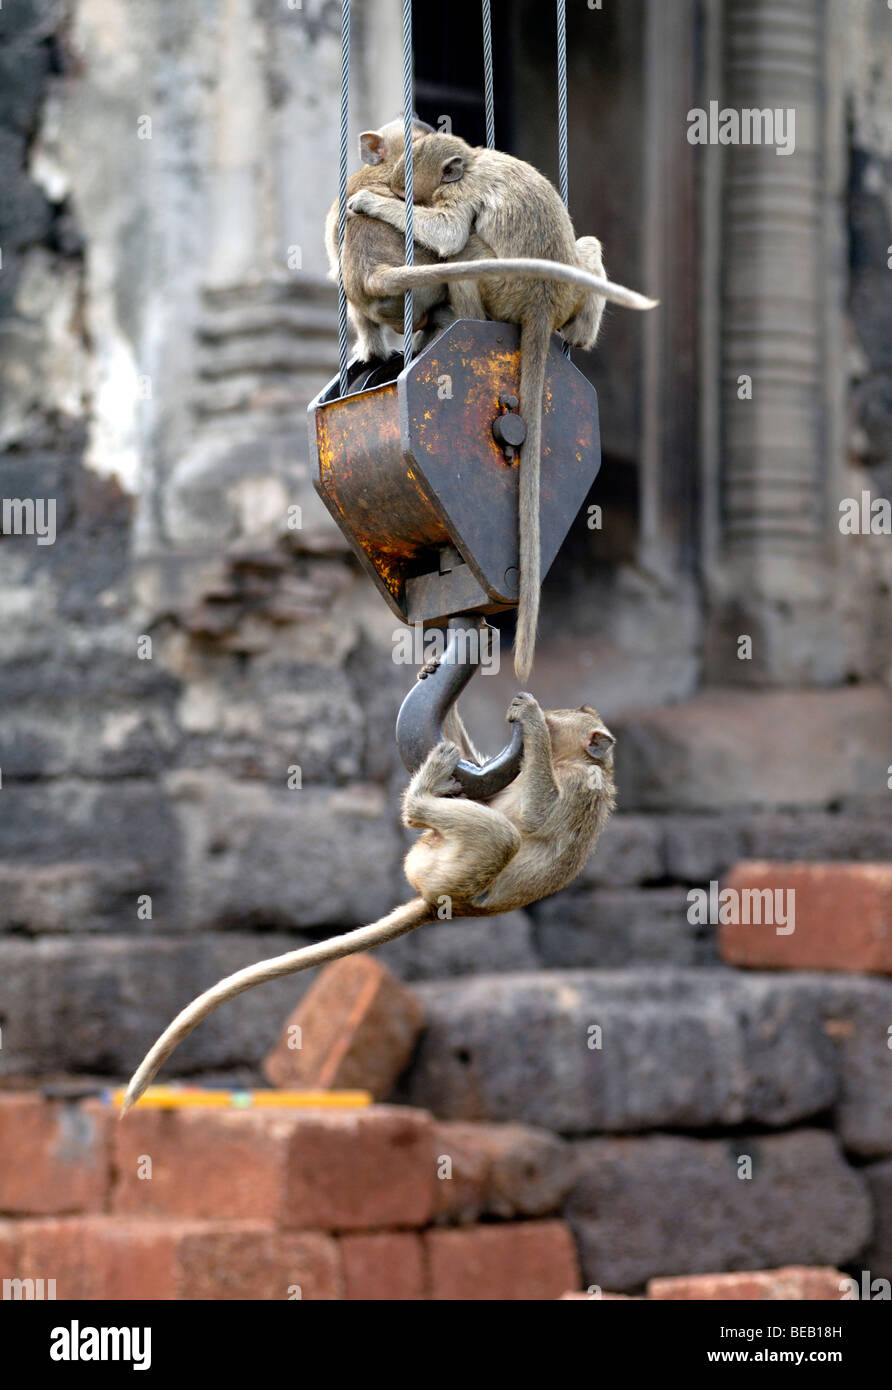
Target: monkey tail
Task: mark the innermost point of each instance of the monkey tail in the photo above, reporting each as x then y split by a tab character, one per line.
535	336
403	919
388	280
454	728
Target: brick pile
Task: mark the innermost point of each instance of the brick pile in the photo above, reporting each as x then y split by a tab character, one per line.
266	1204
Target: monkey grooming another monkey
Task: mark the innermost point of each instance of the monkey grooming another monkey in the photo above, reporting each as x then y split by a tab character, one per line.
480	858
462	191
370	243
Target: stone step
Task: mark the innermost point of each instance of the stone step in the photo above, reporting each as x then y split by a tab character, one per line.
272	353
676	848
275	397
728	749
298	317
667	1205
248	295
618	1051
611	928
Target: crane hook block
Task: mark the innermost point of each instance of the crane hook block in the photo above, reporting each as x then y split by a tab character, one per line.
419	468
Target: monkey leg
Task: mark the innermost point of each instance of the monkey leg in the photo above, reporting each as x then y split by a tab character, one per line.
539	787
369	335
466	296
391	307
471	842
582	330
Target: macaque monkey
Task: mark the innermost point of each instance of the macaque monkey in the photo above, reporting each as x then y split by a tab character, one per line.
370	243
475	858
462	192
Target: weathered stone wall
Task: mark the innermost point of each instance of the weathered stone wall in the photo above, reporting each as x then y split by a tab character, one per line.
195	632
867	58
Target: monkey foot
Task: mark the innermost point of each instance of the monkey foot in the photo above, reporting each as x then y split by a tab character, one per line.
435	775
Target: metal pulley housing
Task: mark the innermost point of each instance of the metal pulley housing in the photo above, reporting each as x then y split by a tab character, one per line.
412	466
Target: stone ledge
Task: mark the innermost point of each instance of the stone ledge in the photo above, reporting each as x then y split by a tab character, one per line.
728	748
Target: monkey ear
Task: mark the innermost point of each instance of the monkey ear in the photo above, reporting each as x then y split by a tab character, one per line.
600	743
453	169
371	147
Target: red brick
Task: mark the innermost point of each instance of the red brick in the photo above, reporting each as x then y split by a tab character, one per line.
311	1262
361	1170
335	1170
54	1156
10	1242
843	918
257	1263
101	1257
358	1029
216	1164
793	1282
59	1248
523	1260
138	1258
600	1298
388	1265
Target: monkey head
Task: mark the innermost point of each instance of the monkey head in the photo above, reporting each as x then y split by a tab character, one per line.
438	160
580	733
381	146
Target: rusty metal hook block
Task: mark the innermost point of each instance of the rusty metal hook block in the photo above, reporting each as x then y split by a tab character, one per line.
412	471
419	725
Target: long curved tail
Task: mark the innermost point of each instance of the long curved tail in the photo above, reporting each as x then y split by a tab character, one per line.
535	336
403	919
388	280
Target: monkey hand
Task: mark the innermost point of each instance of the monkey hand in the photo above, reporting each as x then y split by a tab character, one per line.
525	709
364	201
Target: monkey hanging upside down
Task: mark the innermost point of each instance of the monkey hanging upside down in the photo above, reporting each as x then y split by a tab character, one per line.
475	859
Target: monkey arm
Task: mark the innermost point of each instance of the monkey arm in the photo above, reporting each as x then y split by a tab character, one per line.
445	233
539	791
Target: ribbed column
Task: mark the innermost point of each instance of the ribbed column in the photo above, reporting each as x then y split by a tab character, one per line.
773	296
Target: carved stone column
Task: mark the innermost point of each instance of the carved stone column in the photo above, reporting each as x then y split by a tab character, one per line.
771	448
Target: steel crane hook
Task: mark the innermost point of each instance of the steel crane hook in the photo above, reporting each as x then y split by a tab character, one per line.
419	724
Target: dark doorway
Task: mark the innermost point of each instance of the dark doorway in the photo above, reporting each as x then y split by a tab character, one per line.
449	68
